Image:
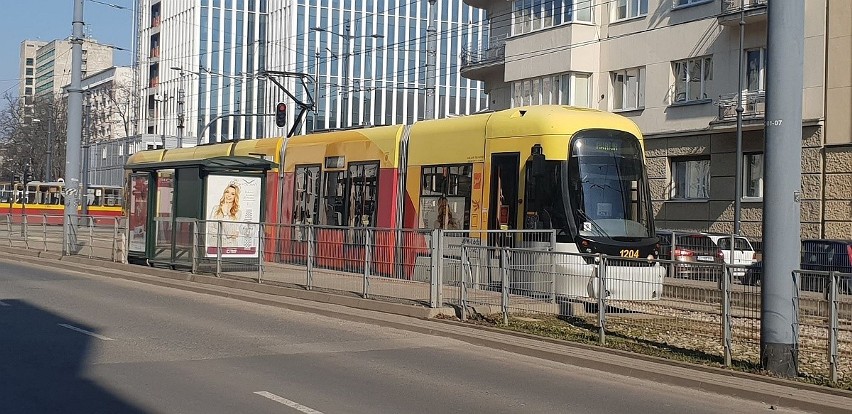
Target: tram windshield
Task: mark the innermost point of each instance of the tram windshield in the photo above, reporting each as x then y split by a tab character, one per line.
607	186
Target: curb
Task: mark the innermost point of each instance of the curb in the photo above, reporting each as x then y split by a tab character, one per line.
755	387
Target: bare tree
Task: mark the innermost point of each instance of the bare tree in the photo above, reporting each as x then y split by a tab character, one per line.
31	136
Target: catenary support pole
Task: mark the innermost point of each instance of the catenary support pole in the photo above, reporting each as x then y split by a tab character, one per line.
73	137
738	181
431	60
783	177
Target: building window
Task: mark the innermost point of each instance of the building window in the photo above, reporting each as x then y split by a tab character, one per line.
531	15
690	178
692	79
306	194
753	175
628	9
29	71
755	69
628	89
363	194
562	89
445	197
684	3
30	61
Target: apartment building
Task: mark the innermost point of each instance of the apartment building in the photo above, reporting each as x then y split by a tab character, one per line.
53	64
673	67
26	88
108	101
369	59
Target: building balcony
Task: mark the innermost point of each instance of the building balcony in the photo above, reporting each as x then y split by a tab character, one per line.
479	4
753	11
754	106
480	61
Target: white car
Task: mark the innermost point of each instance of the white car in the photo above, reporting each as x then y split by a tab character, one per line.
743	252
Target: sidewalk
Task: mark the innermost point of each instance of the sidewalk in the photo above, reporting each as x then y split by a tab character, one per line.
772	391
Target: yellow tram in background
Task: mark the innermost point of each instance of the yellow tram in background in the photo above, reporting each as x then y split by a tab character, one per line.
579	172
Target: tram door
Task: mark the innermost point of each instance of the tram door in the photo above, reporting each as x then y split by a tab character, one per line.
503	206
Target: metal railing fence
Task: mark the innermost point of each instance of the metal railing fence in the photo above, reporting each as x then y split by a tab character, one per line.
705	308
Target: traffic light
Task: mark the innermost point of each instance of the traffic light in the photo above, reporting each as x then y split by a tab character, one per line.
281	114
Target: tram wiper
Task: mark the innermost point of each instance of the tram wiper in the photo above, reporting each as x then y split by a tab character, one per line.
594	224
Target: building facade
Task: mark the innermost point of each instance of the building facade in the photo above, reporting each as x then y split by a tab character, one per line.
53	64
201	64
108	101
198	60
673	66
369	60
26	88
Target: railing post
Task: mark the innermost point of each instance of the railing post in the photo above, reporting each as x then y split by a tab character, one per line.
504	281
833	326
552	255
92	223
218	249
115	238
9	228
433	272
193	252
260	252
44	230
368	258
465	270
726	313
25	232
440	275
309	272
601	299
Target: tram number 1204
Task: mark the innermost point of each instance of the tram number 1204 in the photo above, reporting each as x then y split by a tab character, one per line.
630	253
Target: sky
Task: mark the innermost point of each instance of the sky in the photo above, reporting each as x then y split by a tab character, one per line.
47	20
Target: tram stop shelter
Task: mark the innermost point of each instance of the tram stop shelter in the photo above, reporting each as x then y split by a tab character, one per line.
190	212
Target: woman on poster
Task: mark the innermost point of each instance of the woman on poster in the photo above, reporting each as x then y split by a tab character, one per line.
228	211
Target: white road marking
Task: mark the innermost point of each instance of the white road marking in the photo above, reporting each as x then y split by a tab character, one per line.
291	404
83	331
4	303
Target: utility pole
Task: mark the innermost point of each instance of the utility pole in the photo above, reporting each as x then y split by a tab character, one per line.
431	60
48	166
738	184
87	141
72	145
345	81
181	99
783	175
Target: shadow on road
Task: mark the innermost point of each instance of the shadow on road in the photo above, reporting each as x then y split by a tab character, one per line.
42	365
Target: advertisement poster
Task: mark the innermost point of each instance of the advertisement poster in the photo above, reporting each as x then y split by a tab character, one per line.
138	212
235	202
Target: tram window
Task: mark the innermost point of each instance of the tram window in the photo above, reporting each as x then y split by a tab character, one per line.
306	194
445	196
333	199
112	197
544	207
363	194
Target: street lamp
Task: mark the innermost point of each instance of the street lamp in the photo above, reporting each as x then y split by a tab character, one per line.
345	79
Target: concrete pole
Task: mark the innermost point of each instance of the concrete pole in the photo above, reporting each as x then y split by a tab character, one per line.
431	60
75	120
48	167
344	114
738	182
783	175
87	142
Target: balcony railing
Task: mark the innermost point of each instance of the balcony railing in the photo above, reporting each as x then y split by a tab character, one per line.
754	105
734	6
492	51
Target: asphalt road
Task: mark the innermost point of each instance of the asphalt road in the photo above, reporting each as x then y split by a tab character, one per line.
73	343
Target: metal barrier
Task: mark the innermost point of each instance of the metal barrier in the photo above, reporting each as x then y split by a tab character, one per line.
710	308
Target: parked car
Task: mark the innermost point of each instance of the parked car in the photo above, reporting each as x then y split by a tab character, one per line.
743	252
817	255
697	255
